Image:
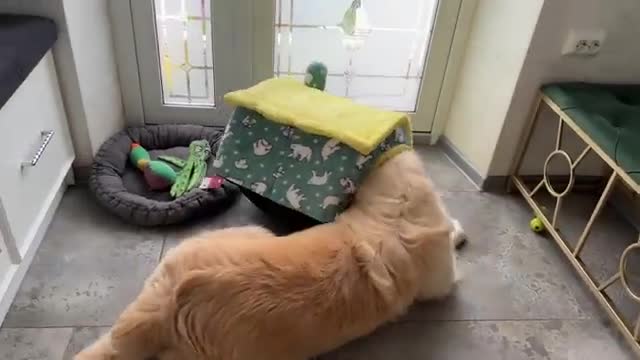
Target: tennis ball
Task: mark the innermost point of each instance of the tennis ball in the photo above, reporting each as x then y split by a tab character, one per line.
536	225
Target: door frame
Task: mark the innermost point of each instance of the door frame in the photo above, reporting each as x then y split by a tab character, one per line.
124	44
443	29
458	45
233	61
236	63
448	45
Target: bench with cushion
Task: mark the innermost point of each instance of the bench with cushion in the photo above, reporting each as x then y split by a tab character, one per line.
607	118
608	114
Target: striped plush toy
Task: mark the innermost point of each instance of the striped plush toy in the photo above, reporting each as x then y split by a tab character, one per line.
157	174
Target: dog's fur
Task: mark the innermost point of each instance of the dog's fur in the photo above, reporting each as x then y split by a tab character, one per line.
246	294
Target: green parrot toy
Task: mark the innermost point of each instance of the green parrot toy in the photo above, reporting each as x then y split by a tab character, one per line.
348	23
193	169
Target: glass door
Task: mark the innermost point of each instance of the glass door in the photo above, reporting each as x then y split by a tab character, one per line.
385	54
190	53
391	55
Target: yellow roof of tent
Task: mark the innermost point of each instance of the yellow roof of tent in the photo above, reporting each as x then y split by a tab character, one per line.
289	102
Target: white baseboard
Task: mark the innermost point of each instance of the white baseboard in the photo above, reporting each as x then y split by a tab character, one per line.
9	288
461	162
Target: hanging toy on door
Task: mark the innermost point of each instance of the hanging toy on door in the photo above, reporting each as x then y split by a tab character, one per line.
355	26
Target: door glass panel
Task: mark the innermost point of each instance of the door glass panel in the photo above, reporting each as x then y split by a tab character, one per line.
375	52
185	45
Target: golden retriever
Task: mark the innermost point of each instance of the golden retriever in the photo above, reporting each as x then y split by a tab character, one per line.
246	294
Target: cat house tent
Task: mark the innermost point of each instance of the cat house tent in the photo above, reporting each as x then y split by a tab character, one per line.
304	149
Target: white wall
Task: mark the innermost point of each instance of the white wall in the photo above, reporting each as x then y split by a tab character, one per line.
619	61
86	68
92	44
496	50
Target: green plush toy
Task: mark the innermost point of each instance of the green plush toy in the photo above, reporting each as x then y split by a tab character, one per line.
316	75
193	170
157	174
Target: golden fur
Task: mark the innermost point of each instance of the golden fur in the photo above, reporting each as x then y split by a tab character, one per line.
246	294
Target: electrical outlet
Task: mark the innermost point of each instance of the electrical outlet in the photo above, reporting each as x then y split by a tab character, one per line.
586	42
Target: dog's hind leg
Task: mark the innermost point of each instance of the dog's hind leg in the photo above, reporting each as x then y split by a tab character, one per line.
441	275
99	350
139	332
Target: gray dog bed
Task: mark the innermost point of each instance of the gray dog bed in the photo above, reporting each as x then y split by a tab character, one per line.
120	187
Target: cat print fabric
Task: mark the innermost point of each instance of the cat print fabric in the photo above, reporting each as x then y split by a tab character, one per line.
310	173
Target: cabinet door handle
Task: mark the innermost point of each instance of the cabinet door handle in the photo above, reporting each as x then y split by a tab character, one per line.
46	139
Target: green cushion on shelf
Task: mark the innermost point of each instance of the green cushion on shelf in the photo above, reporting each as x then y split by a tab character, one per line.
609	114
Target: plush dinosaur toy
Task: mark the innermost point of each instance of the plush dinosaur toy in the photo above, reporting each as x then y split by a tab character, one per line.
193	170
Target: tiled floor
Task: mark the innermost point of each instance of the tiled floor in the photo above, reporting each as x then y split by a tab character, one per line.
518	298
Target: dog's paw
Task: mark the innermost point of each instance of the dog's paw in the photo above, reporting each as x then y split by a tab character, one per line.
457	276
458	235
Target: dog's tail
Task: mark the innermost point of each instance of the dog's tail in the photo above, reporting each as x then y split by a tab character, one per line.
140	332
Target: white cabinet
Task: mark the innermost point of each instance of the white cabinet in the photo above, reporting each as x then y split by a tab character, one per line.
36	157
9	265
32	120
5	261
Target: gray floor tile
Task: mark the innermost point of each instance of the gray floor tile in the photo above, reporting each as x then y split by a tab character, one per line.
442	172
488	340
81	338
88	268
33	344
518	297
507	272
